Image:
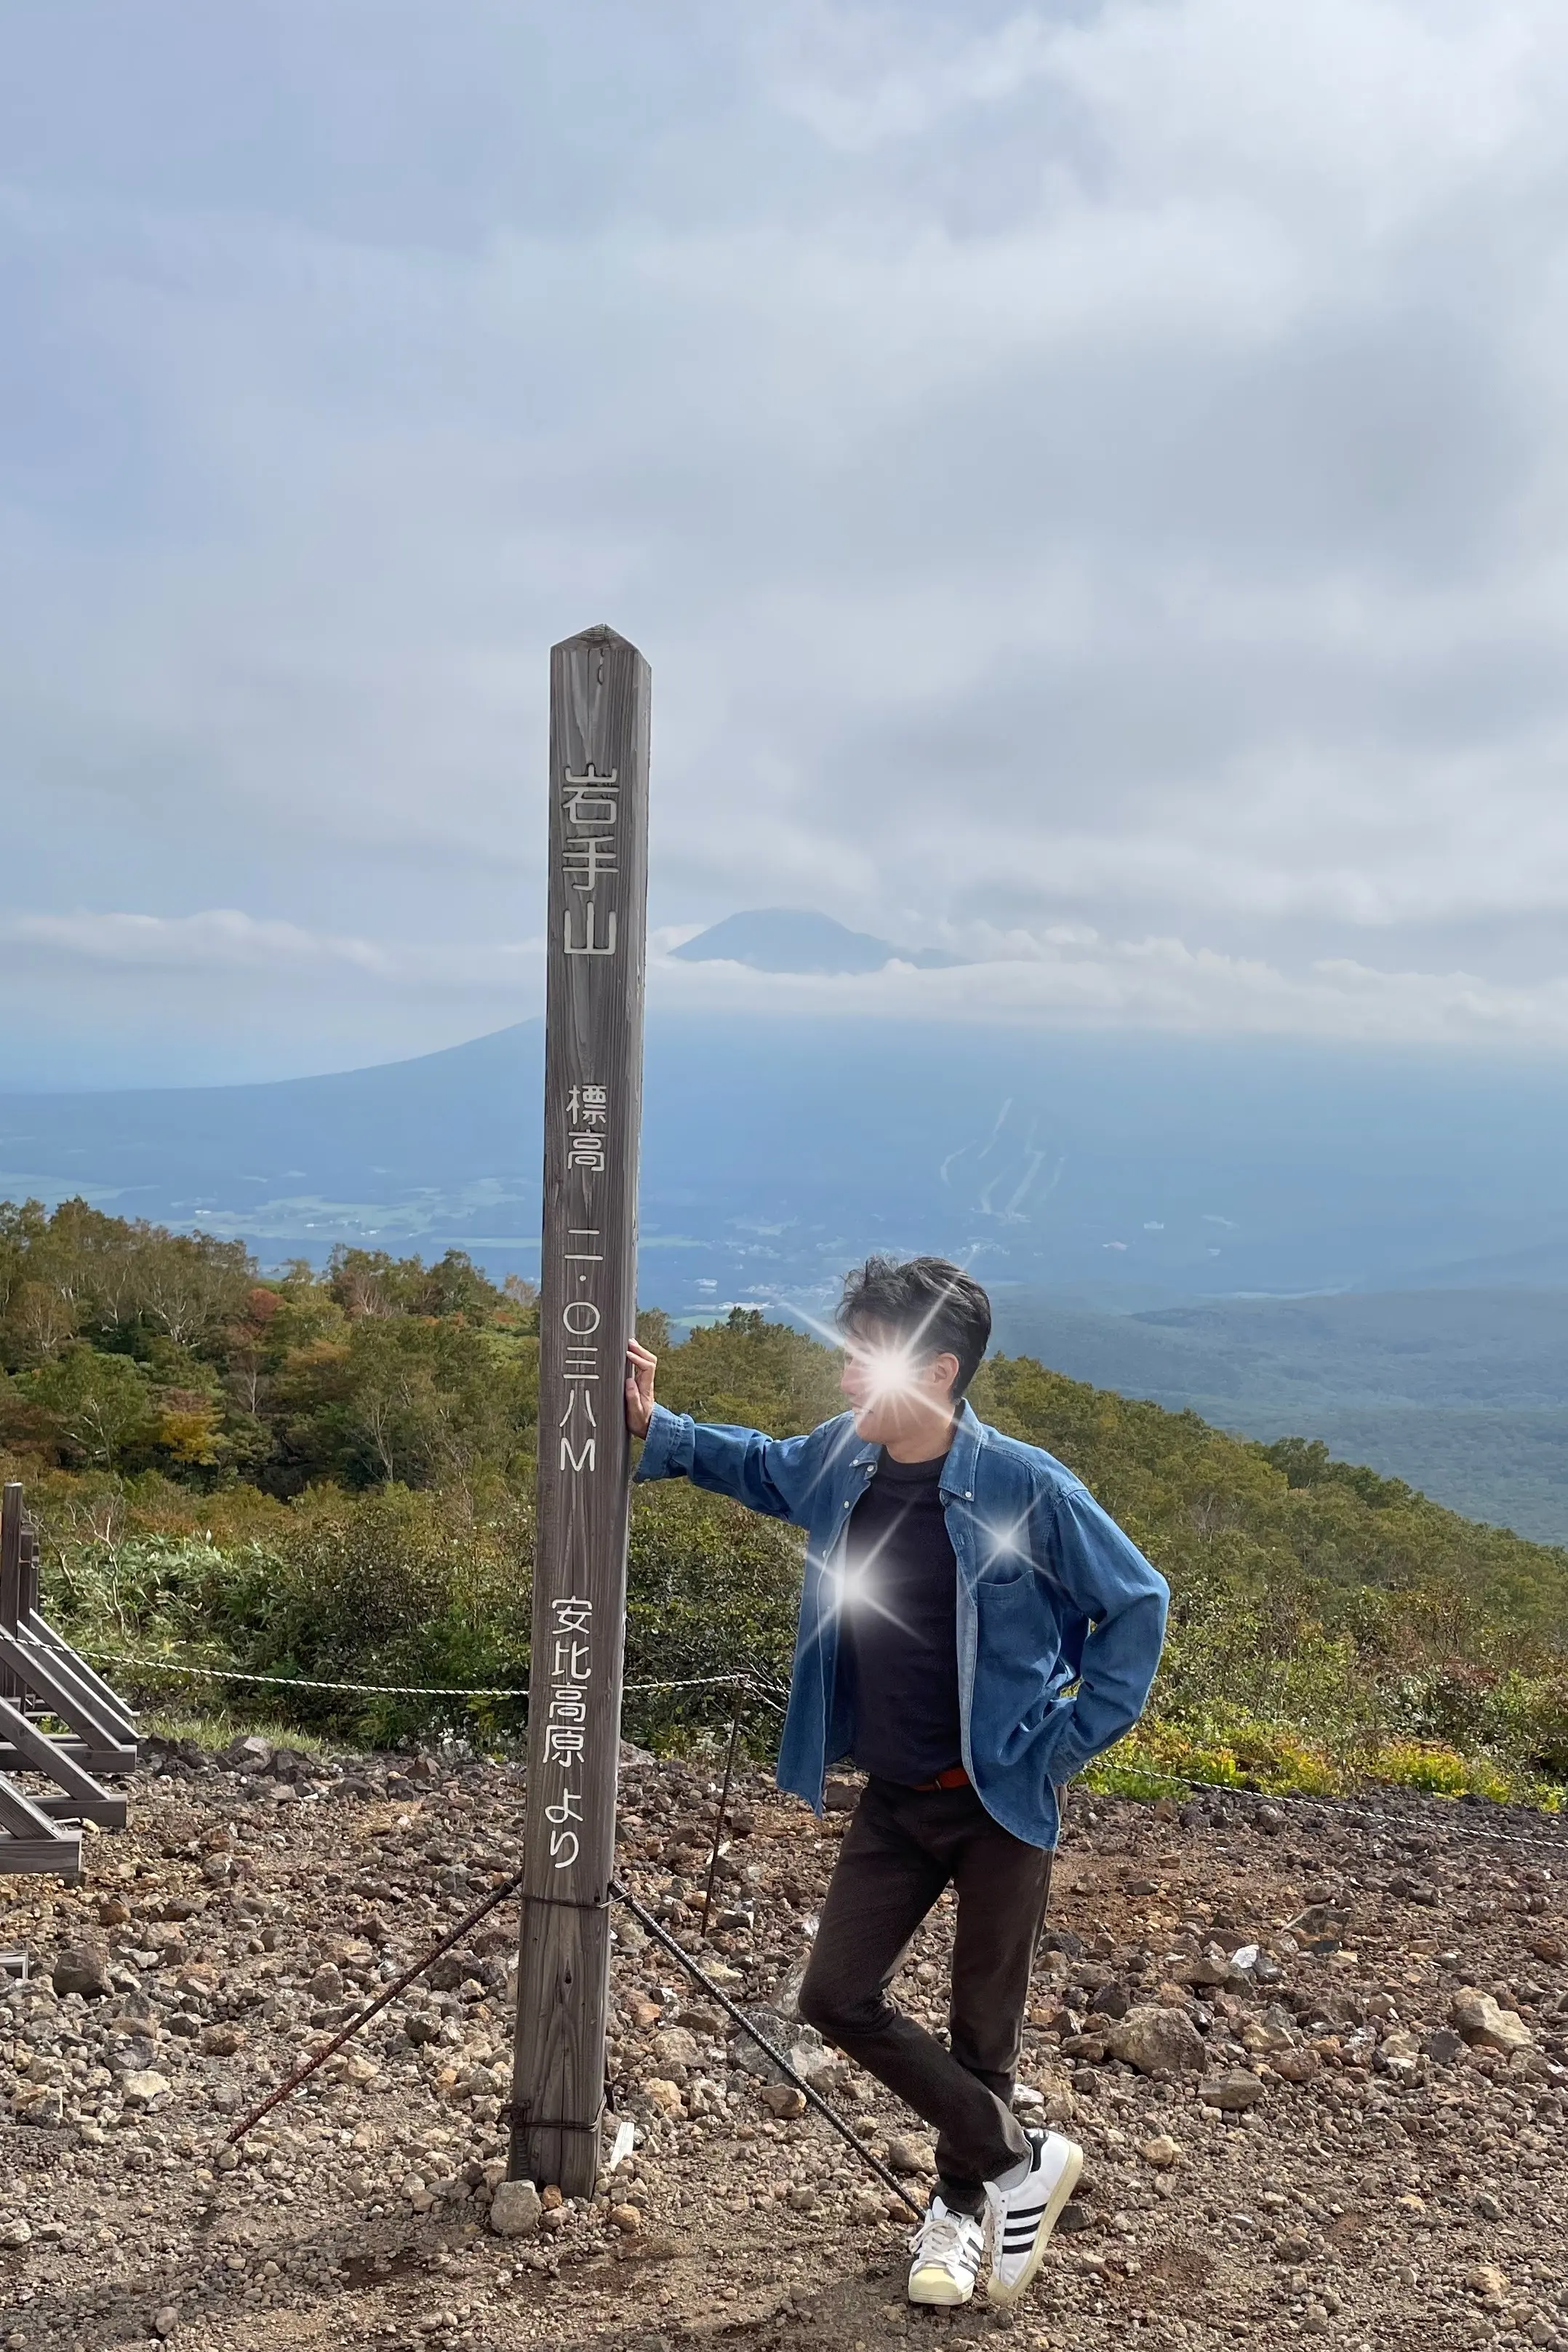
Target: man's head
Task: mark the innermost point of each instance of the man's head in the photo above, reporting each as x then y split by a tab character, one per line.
914	1335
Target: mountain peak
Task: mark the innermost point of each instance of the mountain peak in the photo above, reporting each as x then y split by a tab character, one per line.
795	938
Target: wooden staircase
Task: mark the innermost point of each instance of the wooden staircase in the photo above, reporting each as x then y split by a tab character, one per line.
43	1682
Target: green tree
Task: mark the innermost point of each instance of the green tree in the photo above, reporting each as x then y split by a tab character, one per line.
748	1369
188	1286
407	1399
370	1282
97	1405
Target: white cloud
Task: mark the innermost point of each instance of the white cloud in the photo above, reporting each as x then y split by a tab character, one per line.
1065	977
1156	983
1089	476
224	939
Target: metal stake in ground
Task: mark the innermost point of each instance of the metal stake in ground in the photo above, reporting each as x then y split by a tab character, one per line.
722	1814
667	1943
600	691
465	1927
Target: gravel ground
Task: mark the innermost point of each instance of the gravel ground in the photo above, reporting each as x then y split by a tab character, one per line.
1315	2055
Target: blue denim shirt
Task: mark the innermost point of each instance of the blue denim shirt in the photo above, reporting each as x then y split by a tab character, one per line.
1051	1593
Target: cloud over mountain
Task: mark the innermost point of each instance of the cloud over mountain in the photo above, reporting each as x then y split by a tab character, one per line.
1087	477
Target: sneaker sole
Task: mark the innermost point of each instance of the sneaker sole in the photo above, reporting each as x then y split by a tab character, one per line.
994	2291
943	2292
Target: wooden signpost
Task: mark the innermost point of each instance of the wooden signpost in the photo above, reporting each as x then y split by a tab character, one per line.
599	693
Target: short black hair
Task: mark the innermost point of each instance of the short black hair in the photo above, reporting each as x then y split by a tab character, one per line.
926	1300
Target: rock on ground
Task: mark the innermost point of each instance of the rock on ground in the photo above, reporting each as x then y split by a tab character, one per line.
1388	1975
514	2209
1157	2040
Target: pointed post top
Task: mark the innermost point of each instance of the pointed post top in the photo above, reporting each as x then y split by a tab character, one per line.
599	633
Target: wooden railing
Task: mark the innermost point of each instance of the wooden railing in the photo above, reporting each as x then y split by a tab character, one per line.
59	1721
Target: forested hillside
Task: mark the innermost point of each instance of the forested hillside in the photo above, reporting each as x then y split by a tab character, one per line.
329	1474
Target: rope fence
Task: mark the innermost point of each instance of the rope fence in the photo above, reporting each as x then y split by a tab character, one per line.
773	1696
390	1690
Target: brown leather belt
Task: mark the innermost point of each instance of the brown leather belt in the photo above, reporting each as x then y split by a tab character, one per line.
954	1777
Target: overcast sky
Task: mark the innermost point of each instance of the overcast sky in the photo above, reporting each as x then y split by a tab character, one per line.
1090	480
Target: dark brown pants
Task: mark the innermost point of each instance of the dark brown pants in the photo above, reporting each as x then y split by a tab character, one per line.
902	1847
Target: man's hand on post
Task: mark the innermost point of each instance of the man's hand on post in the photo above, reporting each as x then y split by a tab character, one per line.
640	1370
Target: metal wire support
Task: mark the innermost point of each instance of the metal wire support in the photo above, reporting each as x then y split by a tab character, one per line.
398	1984
667	1943
741	1695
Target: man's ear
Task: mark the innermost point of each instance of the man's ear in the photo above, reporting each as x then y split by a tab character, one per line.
947	1369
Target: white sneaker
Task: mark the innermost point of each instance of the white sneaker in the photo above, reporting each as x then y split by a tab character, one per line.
1022	2210
948	2249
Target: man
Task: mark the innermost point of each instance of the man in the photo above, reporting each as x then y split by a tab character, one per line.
957	1584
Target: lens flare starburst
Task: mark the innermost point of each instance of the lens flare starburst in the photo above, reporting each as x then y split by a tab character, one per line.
853	1588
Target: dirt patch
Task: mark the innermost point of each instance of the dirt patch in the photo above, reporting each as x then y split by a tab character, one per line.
1354	2203
1177	2266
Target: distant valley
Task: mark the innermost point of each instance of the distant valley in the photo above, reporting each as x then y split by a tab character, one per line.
1461	1392
1121	1194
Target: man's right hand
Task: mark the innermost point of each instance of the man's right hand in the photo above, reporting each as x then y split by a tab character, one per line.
640	1370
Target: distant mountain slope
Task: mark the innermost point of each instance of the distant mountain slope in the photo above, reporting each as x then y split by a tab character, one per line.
776	1150
1461	1392
788	938
304	1160
1492	1348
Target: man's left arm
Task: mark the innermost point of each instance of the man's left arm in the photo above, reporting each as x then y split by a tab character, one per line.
1110	1582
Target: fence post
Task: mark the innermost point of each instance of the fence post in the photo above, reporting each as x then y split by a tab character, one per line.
600	692
11	1540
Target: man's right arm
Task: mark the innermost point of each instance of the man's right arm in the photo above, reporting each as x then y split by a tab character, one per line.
771	1474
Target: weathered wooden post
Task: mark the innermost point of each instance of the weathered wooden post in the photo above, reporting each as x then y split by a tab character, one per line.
12	1529
600	692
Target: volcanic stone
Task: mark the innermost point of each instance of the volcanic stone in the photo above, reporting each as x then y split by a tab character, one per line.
674	2046
1156	2040
144	2088
1233	2092
81	1967
1485	2026
515	2210
1398	2053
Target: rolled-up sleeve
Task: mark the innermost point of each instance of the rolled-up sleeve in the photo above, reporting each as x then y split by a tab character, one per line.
668	1447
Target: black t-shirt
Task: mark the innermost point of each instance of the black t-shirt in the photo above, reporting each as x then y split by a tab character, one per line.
898	1642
